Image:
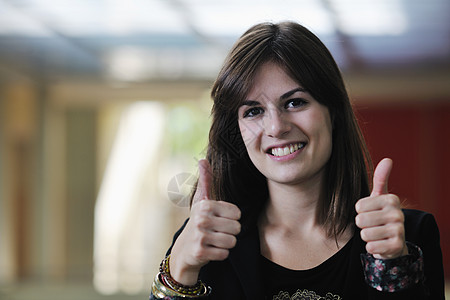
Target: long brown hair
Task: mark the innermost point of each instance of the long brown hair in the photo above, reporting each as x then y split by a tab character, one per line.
307	60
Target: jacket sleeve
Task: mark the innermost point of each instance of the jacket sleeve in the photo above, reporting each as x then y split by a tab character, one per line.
176	235
427	238
421	230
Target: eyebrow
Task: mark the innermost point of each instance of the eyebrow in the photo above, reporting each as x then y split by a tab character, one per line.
291	92
250	103
284	96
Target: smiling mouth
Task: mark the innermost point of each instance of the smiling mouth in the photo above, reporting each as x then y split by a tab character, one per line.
289	149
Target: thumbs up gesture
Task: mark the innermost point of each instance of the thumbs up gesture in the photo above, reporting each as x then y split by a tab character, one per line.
380	217
209	234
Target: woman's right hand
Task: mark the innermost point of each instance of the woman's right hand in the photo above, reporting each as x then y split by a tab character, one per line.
209	234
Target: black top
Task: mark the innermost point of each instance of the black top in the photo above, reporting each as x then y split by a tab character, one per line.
326	279
240	276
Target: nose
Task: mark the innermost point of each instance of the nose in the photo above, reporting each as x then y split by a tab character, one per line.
276	124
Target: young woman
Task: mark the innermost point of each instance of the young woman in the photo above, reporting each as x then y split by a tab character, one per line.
283	208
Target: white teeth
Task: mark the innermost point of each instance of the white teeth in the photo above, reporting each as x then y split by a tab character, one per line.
287	150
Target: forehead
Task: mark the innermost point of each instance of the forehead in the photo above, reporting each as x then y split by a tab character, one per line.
271	80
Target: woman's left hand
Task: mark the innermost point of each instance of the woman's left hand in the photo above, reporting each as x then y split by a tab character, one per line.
380	217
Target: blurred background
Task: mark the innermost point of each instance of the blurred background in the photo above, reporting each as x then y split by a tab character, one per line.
104	112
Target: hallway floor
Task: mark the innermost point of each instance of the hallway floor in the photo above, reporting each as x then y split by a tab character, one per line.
61	292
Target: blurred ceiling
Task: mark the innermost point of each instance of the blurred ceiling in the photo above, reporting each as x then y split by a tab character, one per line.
144	40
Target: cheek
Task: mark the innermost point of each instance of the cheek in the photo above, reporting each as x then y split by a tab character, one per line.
250	132
320	126
326	132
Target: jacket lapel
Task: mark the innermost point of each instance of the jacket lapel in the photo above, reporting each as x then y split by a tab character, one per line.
245	259
354	285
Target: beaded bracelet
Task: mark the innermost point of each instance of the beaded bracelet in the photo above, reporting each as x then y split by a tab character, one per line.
173	284
165	286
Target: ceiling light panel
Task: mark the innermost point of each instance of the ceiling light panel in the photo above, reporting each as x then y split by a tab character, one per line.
370	18
233	17
87	18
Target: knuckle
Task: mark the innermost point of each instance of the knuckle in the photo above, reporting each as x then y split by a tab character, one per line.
370	248
223	254
358	206
364	234
401	217
203	222
234	211
396	229
235	228
238	213
395	246
398	216
395	216
227	242
359	220
205	206
233	241
202	239
199	254
361	204
238	227
392	200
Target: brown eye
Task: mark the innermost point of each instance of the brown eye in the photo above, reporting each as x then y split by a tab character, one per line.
252	112
294	103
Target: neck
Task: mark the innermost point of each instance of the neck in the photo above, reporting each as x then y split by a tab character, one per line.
293	207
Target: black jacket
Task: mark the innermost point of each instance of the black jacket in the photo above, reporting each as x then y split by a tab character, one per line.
239	276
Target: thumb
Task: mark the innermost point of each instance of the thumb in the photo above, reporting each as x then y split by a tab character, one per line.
381	177
204	181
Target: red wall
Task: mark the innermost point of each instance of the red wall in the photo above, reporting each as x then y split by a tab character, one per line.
417	138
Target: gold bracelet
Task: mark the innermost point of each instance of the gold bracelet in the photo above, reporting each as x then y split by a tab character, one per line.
164	285
159	290
168	280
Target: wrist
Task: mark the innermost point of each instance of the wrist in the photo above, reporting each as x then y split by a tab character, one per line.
166	287
182	273
404	251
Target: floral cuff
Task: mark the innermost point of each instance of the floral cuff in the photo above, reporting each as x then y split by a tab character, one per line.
392	275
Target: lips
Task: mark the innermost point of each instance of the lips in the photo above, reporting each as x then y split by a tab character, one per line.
286	150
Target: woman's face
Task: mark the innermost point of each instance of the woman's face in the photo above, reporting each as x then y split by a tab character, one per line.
287	133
